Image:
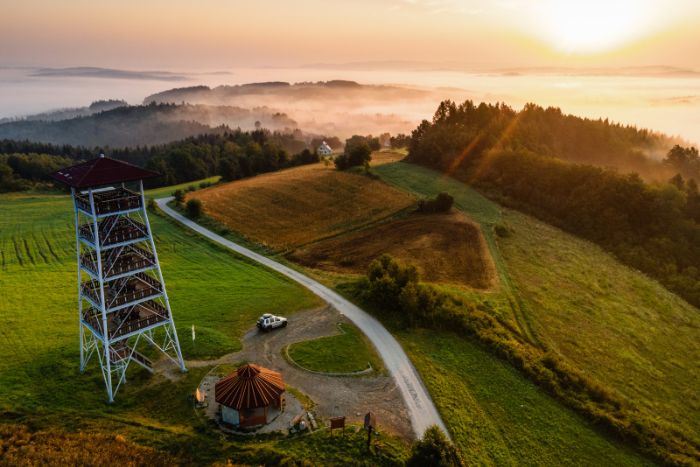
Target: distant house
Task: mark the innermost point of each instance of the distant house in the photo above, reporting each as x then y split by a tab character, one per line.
251	396
324	149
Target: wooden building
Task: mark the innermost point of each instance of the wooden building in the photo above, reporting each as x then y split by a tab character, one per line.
250	396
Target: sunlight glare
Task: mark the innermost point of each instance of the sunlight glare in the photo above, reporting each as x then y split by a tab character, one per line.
588	26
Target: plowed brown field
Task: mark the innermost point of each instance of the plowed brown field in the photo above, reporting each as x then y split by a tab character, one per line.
444	247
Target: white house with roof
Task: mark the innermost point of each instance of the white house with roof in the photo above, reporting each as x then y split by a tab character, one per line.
324	149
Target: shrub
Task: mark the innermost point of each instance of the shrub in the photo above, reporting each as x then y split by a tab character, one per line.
442	203
194	208
434	449
179	196
501	230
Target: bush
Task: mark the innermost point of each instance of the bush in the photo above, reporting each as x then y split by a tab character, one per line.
194	208
501	230
442	203
434	449
179	196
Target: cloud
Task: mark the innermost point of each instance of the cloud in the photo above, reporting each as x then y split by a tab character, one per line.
107	73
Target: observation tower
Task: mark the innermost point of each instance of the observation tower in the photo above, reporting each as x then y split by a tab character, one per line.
122	300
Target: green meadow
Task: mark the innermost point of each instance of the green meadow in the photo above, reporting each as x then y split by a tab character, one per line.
617	325
217	291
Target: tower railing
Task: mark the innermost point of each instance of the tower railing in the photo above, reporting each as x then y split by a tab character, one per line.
110	201
122	292
114	232
143	316
130	259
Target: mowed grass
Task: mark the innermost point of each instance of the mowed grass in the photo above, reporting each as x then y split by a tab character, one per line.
349	351
617	325
221	294
496	416
292	207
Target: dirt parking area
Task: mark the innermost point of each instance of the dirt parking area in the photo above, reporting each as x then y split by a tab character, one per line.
333	395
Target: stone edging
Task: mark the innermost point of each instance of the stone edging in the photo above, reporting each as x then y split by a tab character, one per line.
289	359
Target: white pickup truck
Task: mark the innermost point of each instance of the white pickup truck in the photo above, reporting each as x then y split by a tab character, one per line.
268	322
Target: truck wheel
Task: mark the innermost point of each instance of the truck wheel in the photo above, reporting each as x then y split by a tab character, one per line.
284	325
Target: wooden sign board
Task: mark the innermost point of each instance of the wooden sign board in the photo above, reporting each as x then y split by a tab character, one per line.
337	422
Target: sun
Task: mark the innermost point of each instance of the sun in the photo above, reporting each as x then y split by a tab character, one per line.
590	26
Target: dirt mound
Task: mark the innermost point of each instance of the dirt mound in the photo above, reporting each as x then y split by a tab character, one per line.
444	247
296	206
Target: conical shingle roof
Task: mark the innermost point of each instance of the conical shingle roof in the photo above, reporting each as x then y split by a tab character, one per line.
250	387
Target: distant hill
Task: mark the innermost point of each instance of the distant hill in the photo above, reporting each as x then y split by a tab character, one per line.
336	107
140	125
65	114
335	90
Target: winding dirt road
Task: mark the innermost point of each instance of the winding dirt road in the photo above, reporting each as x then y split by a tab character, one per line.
418	402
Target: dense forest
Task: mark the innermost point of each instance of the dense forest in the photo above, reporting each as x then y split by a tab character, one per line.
524	160
470	130
232	154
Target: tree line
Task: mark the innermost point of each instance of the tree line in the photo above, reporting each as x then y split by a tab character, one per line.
233	154
471	130
653	227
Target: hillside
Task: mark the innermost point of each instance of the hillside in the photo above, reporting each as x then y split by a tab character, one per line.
475	408
459	135
517	158
293	207
622	328
142	125
336	107
431	242
65	114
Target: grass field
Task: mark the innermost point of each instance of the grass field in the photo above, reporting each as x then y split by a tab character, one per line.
496	416
285	209
615	324
217	291
349	351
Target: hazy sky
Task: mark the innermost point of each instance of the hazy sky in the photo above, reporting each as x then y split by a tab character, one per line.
223	34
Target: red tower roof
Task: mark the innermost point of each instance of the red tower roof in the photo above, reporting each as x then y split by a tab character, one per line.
251	386
101	171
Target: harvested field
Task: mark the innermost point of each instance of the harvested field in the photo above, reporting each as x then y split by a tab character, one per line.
444	247
293	207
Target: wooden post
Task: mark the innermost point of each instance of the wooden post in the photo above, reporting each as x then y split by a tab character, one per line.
370	423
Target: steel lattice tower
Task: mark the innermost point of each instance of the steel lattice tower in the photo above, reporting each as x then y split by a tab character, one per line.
122	299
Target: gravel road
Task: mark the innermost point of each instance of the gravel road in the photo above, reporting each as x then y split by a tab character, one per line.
418	402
